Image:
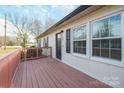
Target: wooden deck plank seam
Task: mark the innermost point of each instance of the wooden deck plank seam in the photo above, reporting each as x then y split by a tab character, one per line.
50	73
64	76
48	77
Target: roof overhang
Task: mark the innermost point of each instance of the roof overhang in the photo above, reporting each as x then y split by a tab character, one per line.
76	14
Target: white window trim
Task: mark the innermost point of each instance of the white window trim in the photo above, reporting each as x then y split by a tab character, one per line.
114	37
79	55
72	41
107	16
88	55
122	31
107	60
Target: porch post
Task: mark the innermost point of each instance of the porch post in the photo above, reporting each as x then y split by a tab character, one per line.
37	51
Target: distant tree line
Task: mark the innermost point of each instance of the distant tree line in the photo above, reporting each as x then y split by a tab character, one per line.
11	41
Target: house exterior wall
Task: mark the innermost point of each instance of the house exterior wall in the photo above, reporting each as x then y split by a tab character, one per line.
104	70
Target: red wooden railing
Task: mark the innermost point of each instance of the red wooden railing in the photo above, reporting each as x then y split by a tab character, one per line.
8	66
9	63
34	53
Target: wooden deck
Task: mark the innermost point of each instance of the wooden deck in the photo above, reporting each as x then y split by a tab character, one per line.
49	73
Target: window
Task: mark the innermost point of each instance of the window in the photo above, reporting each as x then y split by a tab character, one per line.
106	38
45	41
68	41
79	40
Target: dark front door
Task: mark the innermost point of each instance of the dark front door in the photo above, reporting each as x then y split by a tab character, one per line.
59	45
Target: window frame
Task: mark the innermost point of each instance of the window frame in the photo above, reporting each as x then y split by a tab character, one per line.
103	59
88	55
72	41
46	41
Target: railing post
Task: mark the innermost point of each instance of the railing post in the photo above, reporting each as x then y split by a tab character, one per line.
33	53
25	54
37	51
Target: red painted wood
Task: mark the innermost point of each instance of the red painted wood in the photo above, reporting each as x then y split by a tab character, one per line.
8	65
33	74
35	53
47	72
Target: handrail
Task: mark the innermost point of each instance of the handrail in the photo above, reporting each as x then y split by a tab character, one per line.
34	53
10	62
8	65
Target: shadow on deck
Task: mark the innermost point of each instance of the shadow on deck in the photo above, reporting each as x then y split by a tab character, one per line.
50	73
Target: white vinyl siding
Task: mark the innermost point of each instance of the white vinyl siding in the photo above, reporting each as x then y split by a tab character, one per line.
105	69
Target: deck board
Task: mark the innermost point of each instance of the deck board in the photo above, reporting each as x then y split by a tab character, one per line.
50	73
53	76
41	80
61	76
67	76
29	77
33	75
24	75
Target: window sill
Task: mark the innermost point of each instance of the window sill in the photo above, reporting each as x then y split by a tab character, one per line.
100	59
79	55
108	61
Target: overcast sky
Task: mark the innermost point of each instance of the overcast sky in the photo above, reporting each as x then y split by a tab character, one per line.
57	12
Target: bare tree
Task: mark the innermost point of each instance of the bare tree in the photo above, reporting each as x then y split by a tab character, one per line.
26	25
22	24
36	28
49	21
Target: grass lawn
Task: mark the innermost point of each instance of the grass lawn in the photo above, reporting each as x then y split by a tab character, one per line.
4	52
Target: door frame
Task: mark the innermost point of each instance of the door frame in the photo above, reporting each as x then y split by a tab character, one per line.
61	44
